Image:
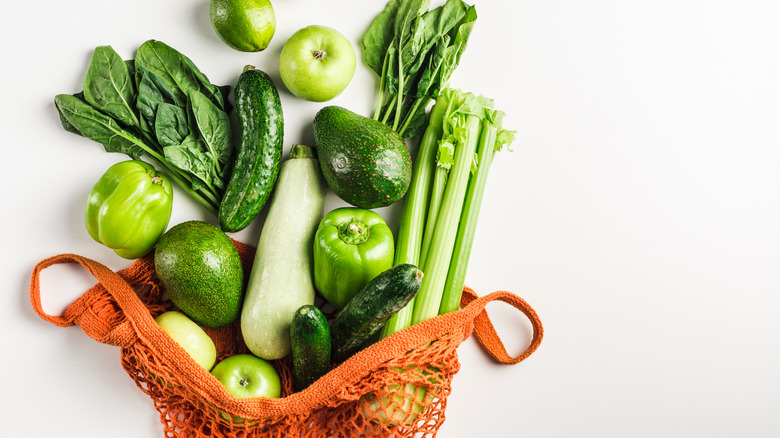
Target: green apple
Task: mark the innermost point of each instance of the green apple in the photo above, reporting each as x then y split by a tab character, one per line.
190	336
246	375
317	63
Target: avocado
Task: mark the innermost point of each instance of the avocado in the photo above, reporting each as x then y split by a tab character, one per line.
200	269
363	160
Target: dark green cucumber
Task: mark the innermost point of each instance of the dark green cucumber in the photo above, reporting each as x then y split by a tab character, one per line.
369	309
310	342
258	152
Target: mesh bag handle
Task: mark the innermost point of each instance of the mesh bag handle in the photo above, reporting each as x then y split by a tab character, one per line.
485	331
110	311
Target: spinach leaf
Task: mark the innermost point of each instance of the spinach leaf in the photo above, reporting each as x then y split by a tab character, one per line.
405	44
97	126
213	125
153	90
109	86
178	71
428	85
414	51
379	36
459	35
191	157
408	11
170	124
64	121
437	23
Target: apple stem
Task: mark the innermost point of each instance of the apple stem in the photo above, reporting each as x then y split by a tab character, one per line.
244	382
319	54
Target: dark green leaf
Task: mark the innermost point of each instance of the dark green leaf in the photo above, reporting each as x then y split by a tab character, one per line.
459	35
425	85
170	124
97	126
379	37
64	121
178	71
437	24
109	86
213	126
153	90
408	11
191	157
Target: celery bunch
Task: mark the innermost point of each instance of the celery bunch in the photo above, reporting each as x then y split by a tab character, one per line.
439	218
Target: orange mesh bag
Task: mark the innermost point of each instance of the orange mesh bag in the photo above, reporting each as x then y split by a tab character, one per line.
397	387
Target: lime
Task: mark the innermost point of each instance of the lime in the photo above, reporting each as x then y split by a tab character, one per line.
245	25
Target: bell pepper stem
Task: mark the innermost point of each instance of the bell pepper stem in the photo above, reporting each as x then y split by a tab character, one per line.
353	232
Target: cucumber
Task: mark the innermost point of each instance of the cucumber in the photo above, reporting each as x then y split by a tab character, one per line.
369	309
258	151
310	342
282	276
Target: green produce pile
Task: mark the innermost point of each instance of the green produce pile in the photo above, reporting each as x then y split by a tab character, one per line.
162	112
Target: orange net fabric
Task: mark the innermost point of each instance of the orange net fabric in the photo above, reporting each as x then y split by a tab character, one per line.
397	387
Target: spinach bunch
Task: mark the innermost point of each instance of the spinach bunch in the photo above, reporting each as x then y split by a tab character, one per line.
161	106
414	51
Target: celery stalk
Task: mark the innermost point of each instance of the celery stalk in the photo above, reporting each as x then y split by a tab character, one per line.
444	159
411	227
489	144
429	297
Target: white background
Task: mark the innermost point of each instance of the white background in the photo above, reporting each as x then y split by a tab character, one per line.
638	212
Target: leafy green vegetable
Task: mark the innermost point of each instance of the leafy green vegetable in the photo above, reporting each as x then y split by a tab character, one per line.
213	125
191	157
177	70
170	124
153	90
89	122
414	51
108	85
158	105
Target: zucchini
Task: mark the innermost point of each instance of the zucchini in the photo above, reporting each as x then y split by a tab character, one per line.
310	342
258	151
369	309
282	276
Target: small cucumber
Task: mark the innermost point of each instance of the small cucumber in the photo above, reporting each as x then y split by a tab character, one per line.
310	342
369	309
258	152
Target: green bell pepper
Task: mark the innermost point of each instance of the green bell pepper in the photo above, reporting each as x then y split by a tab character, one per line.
351	247
129	208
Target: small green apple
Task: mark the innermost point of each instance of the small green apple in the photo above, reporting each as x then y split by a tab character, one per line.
190	336
317	63
246	375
